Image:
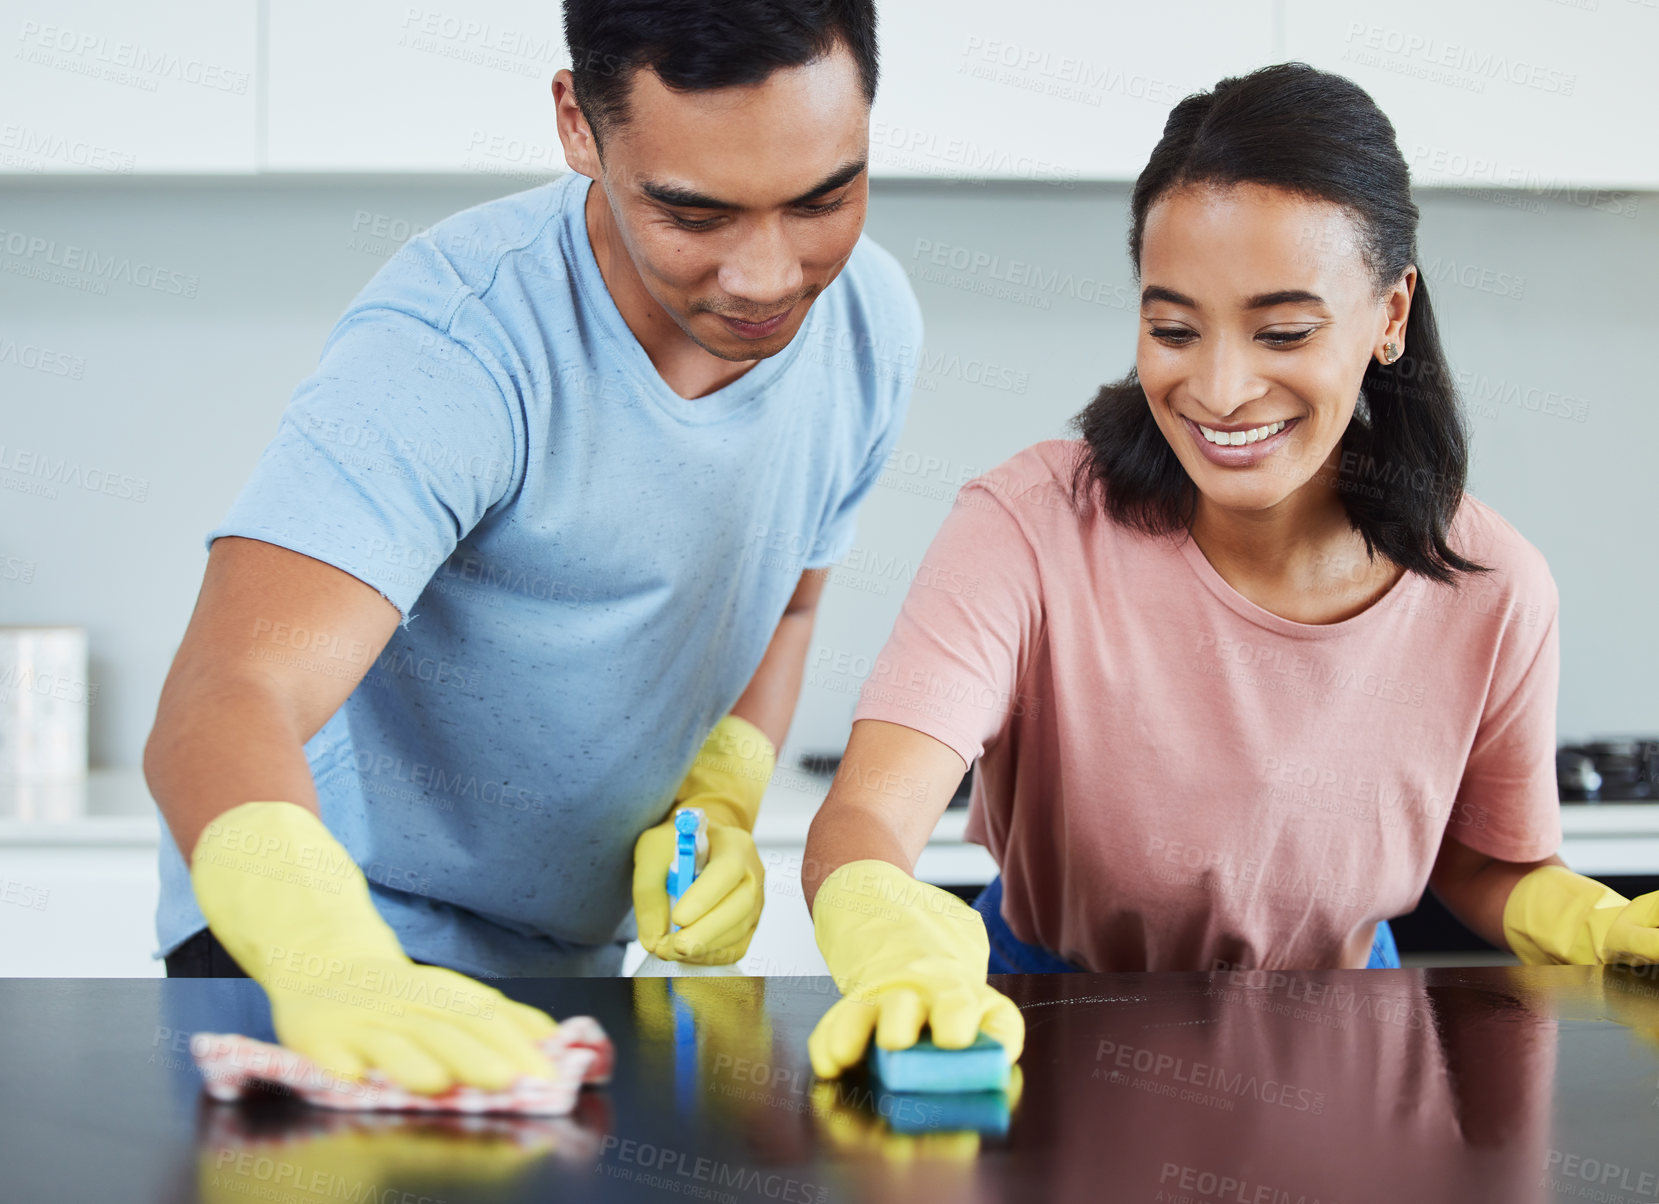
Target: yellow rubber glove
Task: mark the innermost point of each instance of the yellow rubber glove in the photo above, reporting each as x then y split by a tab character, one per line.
717	916
288	903
904	954
852	1131
346	1152
1557	917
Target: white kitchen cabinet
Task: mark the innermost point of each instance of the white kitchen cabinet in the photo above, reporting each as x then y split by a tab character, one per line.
982	89
78	912
391	86
1553	95
970	90
100	87
78	883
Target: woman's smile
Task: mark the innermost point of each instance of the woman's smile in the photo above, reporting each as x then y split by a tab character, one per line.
1240	447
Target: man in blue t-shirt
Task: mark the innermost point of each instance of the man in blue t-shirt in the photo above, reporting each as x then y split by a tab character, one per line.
532	560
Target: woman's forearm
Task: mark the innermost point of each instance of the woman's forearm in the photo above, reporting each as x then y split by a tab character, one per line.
1475	887
887	796
849	832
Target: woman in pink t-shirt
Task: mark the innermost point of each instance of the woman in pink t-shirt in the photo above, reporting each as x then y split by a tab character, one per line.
1243	668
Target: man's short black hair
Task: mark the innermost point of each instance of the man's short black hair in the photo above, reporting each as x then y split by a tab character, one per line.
694	45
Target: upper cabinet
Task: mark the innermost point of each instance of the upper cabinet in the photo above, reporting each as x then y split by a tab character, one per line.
100	87
984	89
390	85
975	89
1540	94
1546	94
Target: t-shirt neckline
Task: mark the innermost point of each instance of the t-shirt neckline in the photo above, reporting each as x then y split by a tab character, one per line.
1262	617
725	402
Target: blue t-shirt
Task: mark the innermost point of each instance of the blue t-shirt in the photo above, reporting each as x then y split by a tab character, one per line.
589	567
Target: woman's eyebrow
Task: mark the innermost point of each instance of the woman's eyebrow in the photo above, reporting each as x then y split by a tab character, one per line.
1289	296
1285	296
1157	292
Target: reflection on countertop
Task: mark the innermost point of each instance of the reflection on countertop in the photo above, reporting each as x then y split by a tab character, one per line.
1489	1083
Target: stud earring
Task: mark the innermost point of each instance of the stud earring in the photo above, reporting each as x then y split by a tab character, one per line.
1391	352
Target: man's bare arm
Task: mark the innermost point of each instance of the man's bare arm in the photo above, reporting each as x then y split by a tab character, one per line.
276	643
768	701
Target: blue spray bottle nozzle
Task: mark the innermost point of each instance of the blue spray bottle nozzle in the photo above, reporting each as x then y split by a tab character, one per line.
690	850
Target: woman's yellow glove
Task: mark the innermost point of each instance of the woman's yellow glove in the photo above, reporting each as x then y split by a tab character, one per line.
1557	917
718	915
904	954
289	904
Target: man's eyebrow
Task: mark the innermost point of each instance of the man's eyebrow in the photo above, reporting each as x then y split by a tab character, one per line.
839	178
683	198
689	198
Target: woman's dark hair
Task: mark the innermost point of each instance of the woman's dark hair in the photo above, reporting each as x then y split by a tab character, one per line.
1405	455
694	45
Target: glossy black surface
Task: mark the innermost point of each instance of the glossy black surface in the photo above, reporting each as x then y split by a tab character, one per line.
1360	1085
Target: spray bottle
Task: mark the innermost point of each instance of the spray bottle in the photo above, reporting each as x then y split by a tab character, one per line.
691	852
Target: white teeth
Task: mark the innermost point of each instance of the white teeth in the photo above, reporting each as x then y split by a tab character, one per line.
1238	438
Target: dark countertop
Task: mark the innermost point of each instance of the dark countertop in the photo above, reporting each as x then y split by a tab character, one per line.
1500	1084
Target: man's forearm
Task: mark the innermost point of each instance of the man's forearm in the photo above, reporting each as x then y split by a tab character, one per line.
214	748
240	699
769	700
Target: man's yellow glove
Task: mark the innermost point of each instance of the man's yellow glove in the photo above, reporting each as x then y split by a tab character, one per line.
904	954
288	903
1557	917
717	916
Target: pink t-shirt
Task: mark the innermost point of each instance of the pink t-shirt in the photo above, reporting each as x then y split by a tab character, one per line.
1173	778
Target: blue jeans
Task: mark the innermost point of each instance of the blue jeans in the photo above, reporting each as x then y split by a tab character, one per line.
1010	955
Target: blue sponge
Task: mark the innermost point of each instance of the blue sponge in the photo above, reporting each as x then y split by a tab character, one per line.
983	1066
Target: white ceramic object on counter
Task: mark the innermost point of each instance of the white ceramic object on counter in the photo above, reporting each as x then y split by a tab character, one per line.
44	701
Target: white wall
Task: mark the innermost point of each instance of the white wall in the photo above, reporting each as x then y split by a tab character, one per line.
168	365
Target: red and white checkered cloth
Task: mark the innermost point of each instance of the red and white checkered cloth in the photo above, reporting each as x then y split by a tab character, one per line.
234	1065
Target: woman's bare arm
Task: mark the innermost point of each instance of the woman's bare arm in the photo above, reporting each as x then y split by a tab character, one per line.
890	791
1474	887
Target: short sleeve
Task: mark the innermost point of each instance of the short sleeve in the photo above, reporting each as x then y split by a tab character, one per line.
388	454
890	344
835	539
953	665
1508	804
